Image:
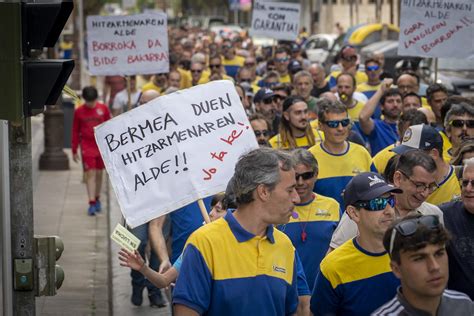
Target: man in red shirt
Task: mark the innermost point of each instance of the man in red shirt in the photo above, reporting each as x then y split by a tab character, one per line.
86	117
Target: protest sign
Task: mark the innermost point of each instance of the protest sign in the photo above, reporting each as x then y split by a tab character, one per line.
175	149
278	20
436	28
124	238
127	45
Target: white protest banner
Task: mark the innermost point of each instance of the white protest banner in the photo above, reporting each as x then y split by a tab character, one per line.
127	45
175	149
278	20
438	28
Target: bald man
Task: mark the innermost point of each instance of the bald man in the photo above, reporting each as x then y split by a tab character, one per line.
148	95
320	85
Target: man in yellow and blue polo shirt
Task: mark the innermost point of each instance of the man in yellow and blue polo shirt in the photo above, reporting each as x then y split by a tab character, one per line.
355	279
427	138
317	216
348	60
230	60
339	160
240	264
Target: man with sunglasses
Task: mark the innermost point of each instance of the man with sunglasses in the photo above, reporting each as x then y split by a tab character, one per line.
417	248
266	104
427	139
315	218
261	127
282	60
356	278
196	73
459	220
347	58
415	176
230	60
459	123
339	159
373	70
381	133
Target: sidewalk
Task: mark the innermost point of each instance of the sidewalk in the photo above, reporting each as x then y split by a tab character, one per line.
94	282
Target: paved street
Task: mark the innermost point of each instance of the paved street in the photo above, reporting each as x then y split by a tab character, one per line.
94	284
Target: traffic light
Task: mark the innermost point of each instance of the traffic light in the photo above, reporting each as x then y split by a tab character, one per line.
28	83
48	276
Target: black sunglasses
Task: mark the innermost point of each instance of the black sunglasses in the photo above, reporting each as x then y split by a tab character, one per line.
335	123
349	58
260	133
269	100
306	175
196	70
461	123
410	226
214	66
465	182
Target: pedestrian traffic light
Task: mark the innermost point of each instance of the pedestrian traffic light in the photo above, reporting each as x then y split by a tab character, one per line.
28	83
48	276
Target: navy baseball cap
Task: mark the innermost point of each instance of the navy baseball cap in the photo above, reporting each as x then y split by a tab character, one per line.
365	187
263	94
422	136
294	66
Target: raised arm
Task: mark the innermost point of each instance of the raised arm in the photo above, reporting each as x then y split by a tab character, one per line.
365	117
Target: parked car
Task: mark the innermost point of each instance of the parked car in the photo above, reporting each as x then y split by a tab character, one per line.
317	47
456	74
226	31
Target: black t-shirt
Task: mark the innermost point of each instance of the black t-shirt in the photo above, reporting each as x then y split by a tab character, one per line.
460	224
316	92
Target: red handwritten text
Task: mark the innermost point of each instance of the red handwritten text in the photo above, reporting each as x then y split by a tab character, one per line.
219	156
209	173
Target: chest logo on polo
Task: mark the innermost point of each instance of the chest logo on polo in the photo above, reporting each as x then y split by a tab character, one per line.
320	212
279	269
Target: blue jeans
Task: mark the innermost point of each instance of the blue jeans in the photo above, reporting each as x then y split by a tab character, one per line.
141	232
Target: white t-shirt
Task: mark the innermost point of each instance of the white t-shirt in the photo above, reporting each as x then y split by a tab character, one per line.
121	100
347	229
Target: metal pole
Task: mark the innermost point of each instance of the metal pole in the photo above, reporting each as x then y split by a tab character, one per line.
21	199
6	283
80	8
435	70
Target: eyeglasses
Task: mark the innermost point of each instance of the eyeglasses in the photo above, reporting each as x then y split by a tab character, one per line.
260	133
465	182
246	80
215	66
421	187
410	226
306	175
269	100
335	124
377	204
196	70
462	123
227	46
349	58
281	60
249	64
373	68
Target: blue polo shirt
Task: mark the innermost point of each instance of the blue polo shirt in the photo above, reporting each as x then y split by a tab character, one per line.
226	270
384	134
311	232
353	281
184	222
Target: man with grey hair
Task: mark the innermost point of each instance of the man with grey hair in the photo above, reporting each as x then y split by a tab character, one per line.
320	84
459	220
316	216
459	123
303	83
241	257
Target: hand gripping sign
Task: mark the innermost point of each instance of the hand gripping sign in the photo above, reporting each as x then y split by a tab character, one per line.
175	149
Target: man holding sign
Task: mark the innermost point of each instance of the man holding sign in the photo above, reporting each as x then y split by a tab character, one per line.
241	257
